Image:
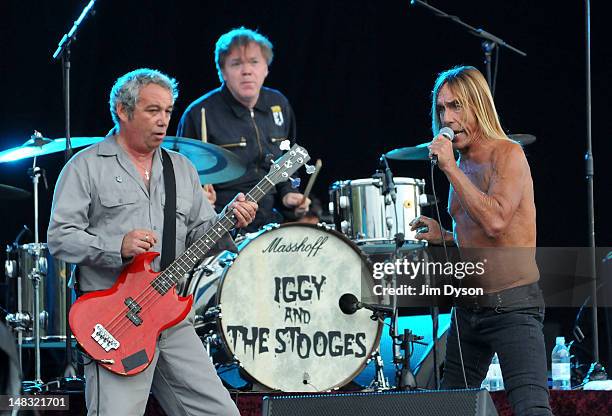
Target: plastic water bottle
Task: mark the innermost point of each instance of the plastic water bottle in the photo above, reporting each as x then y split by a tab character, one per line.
496	381
561	366
486	383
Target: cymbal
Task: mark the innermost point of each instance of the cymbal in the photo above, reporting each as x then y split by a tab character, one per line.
421	152
213	163
40	146
8	192
523	139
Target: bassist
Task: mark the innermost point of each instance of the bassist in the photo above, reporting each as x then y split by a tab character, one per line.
108	207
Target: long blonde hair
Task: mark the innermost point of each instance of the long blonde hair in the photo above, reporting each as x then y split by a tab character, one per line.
473	93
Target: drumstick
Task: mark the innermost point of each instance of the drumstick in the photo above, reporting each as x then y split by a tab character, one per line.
311	181
203	126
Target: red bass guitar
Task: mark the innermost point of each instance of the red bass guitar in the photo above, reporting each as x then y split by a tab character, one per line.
119	327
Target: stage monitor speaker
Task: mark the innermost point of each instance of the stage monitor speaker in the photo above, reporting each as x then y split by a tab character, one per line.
423	403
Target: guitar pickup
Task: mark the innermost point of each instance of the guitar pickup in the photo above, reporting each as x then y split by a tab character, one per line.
132	305
136	320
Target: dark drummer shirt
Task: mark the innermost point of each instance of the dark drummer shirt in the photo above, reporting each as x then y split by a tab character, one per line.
252	135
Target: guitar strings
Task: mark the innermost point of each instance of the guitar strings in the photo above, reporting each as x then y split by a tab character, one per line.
118	328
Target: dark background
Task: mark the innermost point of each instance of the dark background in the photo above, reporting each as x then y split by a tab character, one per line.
358	74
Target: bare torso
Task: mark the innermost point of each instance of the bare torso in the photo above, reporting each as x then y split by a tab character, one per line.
510	255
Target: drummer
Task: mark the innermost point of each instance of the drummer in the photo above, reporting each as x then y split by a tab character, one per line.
246	118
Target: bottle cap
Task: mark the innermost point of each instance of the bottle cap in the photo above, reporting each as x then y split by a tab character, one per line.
560	341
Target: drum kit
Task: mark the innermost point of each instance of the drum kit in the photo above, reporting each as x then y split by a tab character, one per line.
269	316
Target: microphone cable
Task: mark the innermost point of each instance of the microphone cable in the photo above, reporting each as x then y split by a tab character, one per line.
454	309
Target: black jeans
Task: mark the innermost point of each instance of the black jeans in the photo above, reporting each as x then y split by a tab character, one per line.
513	329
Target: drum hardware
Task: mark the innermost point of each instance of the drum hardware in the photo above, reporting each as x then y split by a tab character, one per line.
18	321
426	200
210	340
388	184
211	314
380	382
405	376
39	269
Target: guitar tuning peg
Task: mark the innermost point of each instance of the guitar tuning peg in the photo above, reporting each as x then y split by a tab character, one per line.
295	182
285	145
310	169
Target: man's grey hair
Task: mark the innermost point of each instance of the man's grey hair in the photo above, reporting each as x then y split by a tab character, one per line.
126	89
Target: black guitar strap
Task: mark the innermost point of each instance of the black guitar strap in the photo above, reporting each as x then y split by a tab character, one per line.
169	236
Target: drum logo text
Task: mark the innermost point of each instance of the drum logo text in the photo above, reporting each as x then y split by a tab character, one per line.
279	246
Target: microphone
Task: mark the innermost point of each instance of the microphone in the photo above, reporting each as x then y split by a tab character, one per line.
450	135
349	304
389	184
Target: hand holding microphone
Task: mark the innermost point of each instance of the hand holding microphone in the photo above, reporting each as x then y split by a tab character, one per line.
441	145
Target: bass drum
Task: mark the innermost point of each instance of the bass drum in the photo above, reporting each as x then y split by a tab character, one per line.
278	312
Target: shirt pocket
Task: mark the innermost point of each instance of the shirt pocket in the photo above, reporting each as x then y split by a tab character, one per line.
120	209
117	199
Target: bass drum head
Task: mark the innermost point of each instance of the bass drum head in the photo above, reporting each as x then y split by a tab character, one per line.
279	309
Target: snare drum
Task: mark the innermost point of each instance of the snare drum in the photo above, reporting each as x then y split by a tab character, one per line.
364	214
279	314
52	289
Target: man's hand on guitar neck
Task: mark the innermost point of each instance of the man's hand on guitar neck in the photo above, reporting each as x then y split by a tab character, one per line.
243	210
137	242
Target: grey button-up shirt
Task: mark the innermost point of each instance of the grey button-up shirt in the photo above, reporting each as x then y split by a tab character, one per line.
100	197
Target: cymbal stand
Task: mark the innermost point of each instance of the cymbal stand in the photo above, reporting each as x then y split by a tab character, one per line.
38	270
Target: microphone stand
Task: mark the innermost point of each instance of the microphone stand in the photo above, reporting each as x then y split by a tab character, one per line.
597	370
489	41
63	52
405	377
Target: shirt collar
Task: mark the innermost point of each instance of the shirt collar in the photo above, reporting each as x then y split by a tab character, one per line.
110	147
238	108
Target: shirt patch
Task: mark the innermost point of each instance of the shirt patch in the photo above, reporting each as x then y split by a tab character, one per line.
277	113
